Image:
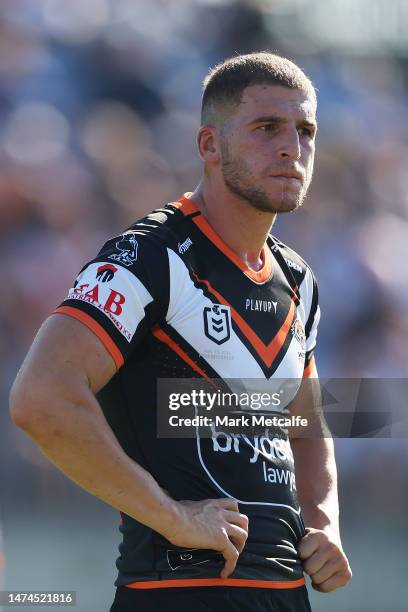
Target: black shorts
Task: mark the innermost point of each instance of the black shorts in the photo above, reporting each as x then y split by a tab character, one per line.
211	599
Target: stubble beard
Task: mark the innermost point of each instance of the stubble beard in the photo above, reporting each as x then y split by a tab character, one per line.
237	177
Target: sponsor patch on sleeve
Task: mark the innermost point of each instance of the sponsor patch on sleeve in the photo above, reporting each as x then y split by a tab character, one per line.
115	292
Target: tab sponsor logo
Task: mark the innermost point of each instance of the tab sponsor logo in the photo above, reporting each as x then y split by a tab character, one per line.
112	306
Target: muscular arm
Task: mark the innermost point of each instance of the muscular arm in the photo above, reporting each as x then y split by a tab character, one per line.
316	479
315	464
53	401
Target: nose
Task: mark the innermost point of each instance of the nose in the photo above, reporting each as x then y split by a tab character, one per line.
290	145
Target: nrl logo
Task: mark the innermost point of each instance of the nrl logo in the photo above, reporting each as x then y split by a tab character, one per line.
217	323
128	250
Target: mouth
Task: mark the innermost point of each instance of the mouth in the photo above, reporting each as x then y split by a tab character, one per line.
289	176
288	182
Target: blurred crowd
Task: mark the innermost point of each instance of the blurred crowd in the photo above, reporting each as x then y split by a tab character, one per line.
99	105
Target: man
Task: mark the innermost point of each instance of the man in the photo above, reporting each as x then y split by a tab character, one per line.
200	289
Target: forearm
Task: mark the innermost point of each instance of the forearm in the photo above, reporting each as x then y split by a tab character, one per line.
316	481
79	441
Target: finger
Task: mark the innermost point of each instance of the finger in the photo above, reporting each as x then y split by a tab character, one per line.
228	503
339	579
327	570
308	545
237	535
230	555
318	559
236	518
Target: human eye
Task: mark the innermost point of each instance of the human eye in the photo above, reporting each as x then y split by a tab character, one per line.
307	131
267	127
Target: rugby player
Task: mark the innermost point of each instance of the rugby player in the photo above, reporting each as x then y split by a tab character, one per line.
200	288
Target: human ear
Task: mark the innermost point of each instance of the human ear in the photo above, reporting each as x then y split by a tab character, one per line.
207	143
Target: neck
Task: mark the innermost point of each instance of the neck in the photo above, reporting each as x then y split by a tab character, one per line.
241	226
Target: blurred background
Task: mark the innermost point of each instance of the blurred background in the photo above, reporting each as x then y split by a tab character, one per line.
99	105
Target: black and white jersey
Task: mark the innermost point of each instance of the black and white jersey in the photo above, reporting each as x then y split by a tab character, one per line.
169	299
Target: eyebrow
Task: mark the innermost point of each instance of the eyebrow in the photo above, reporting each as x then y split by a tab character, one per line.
278	119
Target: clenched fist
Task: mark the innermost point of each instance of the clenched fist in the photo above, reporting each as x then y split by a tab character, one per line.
324	560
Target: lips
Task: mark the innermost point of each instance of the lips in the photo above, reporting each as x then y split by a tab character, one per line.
288	176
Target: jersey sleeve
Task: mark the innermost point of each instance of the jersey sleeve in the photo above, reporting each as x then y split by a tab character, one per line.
121	293
310	370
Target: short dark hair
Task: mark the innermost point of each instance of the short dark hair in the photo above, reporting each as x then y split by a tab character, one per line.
224	84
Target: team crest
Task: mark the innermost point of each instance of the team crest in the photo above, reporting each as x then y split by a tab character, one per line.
217	323
299	333
128	250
